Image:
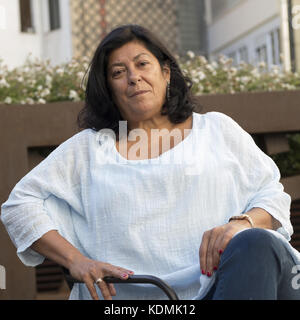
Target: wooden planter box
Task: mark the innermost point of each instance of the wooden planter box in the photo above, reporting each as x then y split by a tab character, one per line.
25	129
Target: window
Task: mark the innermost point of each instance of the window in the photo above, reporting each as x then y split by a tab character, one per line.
26	16
268	48
275	46
54	15
232	55
243	55
261	54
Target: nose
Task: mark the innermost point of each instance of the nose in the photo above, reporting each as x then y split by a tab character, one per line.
133	77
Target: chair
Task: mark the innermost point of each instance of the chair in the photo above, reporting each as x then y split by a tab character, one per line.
146	279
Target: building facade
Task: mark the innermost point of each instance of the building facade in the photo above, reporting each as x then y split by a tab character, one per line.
255	31
42	28
245	30
61	29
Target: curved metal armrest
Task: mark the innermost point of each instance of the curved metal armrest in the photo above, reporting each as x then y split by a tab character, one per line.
146	279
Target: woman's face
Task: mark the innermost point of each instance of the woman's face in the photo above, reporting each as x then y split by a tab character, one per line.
137	81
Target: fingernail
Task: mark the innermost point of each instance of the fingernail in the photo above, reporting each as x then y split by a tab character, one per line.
124	275
208	274
203	272
131	272
215	268
220	251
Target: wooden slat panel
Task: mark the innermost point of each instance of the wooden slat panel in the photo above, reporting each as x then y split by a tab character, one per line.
276	143
259	112
49	276
295	220
292	186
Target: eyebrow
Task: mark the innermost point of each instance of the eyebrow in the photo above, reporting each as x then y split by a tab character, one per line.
118	64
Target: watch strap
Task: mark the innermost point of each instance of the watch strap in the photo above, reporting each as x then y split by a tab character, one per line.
243	217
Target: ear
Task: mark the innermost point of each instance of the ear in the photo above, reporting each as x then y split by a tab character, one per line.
166	72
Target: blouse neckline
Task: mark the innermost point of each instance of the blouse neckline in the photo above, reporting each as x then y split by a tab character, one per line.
179	145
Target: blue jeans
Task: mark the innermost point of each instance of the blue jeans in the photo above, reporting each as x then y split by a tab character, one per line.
254	266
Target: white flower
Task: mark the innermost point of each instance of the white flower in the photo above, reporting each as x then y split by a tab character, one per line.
288	86
4	83
210	68
255	73
48	81
20	79
214	64
262	64
42	101
245	79
85	58
190	54
202	60
73	95
201	75
32	82
45	92
40	88
60	71
223	59
233	71
8	100
200	88
80	74
29	101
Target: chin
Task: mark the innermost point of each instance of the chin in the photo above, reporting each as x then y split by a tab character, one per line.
144	112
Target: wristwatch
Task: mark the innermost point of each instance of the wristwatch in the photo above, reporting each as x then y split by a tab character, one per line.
243	217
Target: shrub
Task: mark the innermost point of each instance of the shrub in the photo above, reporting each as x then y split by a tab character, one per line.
40	82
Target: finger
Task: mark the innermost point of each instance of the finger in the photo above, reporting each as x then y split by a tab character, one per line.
220	246
104	288
225	241
117	272
112	289
130	272
210	251
217	251
203	251
92	290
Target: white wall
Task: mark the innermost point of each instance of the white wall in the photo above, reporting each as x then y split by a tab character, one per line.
45	44
14	45
240	21
259	36
57	44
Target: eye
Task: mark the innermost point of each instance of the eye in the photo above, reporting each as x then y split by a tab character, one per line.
117	73
143	63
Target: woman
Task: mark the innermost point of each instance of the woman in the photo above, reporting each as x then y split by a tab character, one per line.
149	187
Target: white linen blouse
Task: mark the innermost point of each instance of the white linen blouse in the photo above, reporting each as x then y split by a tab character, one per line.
146	215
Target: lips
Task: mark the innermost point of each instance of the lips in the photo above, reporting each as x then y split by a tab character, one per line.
137	93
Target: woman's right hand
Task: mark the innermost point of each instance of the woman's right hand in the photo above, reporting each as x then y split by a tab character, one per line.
88	271
56	248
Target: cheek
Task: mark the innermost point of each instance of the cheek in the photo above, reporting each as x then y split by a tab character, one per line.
117	92
161	89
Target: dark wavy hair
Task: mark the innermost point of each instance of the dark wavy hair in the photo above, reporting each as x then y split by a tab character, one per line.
100	112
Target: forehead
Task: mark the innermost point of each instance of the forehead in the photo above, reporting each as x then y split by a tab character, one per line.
129	51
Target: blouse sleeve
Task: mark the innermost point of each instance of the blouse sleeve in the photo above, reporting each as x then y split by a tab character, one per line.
259	176
42	201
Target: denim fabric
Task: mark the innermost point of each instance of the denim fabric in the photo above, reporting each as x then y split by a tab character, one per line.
255	266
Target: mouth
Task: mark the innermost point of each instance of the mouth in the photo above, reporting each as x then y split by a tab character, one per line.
137	93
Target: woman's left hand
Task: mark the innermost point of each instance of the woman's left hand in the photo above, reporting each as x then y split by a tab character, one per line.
215	241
